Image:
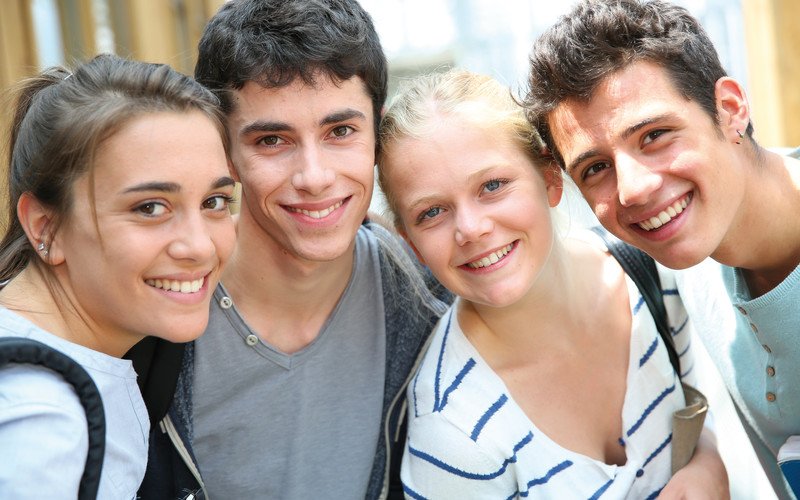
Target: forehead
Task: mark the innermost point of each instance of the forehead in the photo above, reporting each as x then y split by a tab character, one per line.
162	145
633	95
300	100
450	151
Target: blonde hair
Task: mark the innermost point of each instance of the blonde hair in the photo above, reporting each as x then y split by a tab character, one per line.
477	99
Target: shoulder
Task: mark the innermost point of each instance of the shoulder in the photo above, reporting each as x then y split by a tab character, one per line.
40	407
453	381
43	427
36	385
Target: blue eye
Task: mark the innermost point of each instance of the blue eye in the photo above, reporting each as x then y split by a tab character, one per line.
494	184
429	214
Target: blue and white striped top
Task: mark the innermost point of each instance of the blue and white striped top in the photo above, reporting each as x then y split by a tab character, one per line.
467	437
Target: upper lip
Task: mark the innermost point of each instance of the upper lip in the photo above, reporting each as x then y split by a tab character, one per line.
316	206
180	276
486	253
646	216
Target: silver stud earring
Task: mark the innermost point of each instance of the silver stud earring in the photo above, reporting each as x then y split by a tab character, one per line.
741	136
42	248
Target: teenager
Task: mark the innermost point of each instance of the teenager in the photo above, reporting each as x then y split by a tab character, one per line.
547	377
633	103
118	228
297	388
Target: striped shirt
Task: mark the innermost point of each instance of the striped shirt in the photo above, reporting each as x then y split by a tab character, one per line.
467	437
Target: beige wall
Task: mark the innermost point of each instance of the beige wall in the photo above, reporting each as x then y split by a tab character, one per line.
772	35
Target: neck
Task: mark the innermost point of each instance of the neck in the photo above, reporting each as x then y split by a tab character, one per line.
51	305
768	254
553	304
282	297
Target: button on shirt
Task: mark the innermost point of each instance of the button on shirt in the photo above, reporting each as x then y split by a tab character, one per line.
753	342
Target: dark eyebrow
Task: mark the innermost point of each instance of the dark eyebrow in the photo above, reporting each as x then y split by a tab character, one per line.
341	116
172	187
224	181
265	126
272	126
647	121
625	135
167	187
580	159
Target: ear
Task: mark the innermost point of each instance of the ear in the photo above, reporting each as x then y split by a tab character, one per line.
36	219
403	233
732	107
554	183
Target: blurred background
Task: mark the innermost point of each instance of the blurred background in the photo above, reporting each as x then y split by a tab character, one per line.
758	42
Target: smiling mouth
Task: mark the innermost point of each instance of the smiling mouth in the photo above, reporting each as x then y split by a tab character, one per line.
177	286
492	258
665	215
317	214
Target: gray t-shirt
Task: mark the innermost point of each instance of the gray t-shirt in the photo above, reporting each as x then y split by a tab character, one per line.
305	425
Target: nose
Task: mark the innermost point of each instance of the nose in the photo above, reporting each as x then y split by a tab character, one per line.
192	239
312	175
471	224
635	182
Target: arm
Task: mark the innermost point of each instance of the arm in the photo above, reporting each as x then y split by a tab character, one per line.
704	477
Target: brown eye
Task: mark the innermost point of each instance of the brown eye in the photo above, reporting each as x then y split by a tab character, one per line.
151	209
341	131
270	140
218	202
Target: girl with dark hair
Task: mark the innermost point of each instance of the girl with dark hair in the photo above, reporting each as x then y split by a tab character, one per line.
118	228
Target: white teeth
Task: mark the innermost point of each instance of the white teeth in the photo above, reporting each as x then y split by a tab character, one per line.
318	214
176	286
664	216
492	258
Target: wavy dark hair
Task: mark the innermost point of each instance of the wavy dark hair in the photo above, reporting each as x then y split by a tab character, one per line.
600	37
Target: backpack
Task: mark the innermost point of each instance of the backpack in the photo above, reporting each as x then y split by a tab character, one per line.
28	351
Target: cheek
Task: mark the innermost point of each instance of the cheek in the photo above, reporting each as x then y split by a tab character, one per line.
431	248
603	211
225	240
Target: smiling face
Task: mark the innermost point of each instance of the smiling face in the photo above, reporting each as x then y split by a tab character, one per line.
305	156
654	167
475	209
144	258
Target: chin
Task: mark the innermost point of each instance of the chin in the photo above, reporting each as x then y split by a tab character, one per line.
677	262
187	332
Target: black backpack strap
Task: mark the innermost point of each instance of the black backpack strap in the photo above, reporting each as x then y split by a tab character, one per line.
28	351
642	270
158	365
